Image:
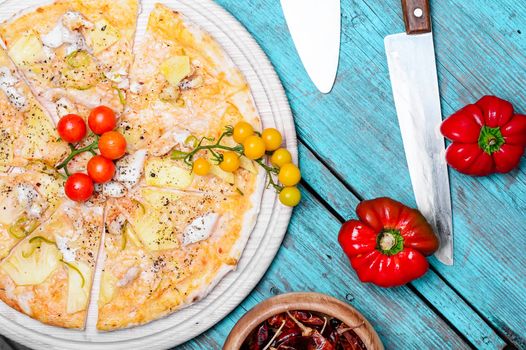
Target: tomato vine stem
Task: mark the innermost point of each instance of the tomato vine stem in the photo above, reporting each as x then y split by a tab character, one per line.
198	146
75	152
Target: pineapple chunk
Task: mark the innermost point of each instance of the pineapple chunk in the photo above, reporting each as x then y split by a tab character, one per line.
130	235
79	276
248	165
34	269
27	50
102	36
42	138
158	199
156	231
50	187
10	209
163	172
176	69
107	288
223	175
133	135
82	78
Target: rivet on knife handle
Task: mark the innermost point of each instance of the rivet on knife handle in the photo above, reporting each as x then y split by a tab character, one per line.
417	16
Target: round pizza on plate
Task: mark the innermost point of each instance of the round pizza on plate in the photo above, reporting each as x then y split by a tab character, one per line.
157	237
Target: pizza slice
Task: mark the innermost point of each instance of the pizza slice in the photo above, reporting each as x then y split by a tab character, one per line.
164	250
27	199
75	53
26	131
48	276
182	83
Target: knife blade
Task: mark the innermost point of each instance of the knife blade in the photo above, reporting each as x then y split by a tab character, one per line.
412	68
315	29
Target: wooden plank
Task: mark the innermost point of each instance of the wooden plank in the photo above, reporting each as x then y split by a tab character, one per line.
431	286
355	129
310	260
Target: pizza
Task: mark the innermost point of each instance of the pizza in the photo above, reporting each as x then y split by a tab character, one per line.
157	235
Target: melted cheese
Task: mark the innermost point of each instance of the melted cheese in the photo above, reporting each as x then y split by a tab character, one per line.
200	229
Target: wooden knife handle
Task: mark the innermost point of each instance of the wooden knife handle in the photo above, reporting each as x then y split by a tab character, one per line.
417	16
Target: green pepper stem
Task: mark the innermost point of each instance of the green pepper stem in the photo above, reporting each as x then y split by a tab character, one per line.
390	242
490	139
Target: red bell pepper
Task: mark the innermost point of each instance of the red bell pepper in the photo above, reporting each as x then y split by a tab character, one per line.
389	243
488	137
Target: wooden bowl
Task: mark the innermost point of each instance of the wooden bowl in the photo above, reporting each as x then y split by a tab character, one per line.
306	302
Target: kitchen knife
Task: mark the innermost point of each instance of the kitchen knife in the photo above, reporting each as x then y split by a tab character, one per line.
412	68
315	28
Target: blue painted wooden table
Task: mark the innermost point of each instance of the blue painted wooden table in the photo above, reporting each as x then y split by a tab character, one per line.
351	149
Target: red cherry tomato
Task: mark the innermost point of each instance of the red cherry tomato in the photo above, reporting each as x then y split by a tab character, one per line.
100	169
112	145
79	187
102	119
71	128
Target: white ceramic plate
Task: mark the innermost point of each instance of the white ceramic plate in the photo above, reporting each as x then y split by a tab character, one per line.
264	241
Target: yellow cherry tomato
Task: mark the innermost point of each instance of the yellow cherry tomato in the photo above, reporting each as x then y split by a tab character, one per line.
254	147
290	196
201	167
230	162
272	138
281	157
242	130
289	175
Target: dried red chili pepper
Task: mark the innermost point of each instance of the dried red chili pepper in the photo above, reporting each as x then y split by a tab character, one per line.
261	338
308	318
288	333
276	321
320	342
300	330
331	332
